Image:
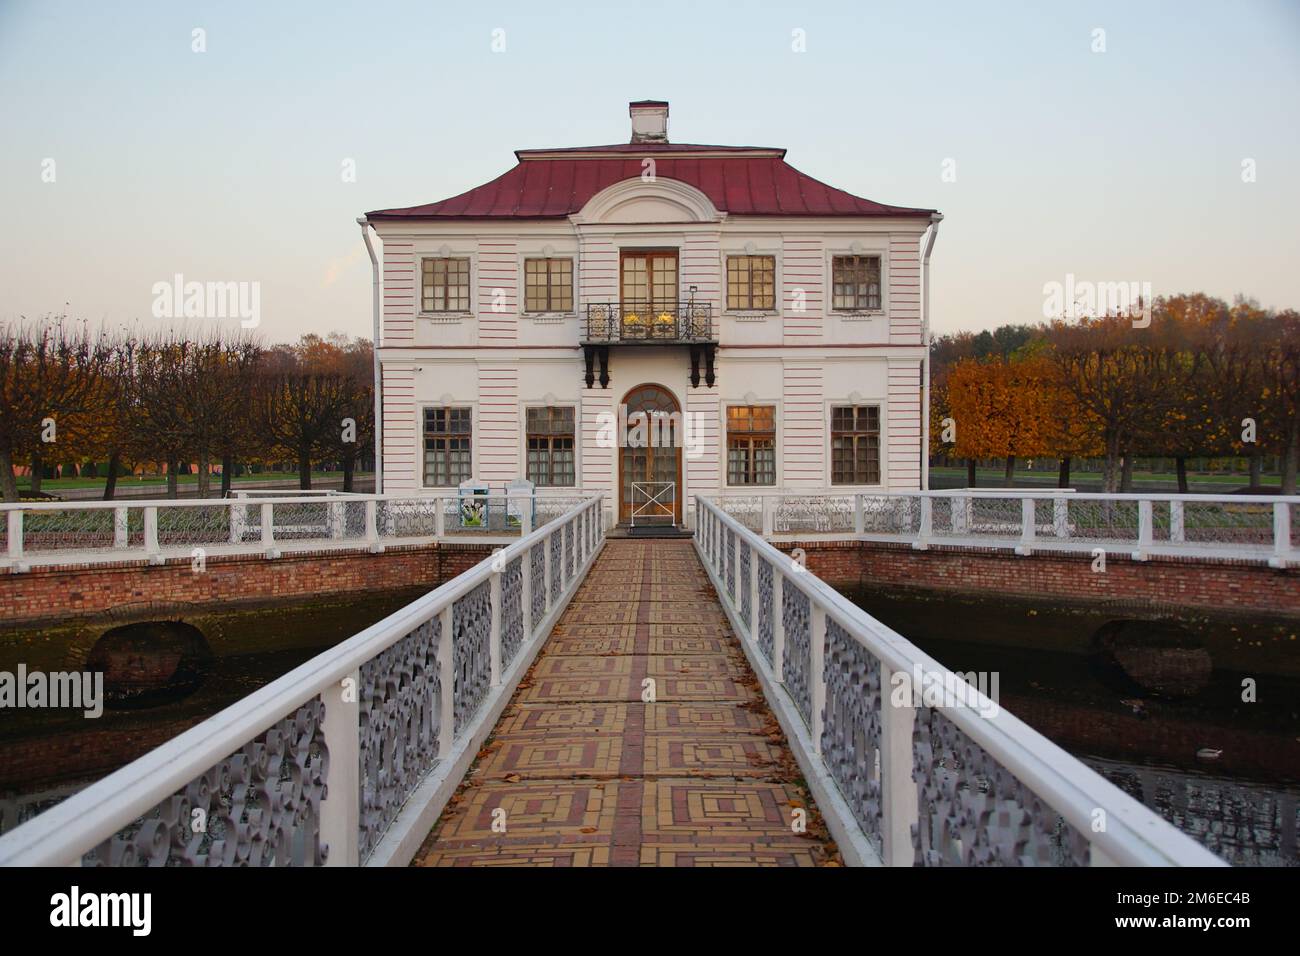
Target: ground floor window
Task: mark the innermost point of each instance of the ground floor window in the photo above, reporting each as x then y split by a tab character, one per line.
751	444
550	447
448	434
855	445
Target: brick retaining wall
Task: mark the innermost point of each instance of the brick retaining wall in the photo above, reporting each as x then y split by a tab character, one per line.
1186	582
58	593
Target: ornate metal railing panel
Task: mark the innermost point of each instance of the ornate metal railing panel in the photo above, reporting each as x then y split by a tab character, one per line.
556	579
371	725
746	592
797	623
851	732
729	567
260	806
472	625
1235	527
512	610
537	564
910	763
641	321
974	811
568	550
400	724
765	596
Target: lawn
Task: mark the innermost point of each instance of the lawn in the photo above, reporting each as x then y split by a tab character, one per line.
1166	481
54	485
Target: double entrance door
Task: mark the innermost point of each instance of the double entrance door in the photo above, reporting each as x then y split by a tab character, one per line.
650	458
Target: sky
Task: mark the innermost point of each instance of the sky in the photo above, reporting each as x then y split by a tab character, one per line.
1154	142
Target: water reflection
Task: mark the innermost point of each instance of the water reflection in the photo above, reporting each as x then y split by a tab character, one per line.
1198	717
161	678
150	663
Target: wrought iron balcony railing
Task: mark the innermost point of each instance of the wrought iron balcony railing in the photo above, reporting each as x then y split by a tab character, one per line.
634	321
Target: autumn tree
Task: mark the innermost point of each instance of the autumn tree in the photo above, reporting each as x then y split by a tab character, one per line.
1116	374
52	391
301	414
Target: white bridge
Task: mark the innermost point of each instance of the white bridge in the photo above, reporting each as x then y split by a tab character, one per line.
351	757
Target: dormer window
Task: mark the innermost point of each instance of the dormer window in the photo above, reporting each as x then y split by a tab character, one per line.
856	283
444	285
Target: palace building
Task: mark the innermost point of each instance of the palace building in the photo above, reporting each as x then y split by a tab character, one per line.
768	327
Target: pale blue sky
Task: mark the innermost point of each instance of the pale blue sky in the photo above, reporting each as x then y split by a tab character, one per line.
225	165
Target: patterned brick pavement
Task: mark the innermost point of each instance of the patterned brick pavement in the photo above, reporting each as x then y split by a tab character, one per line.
580	771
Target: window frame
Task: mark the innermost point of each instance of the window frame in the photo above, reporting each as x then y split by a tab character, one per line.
528	435
882	257
857	433
468	259
550	308
751	435
750	307
471	411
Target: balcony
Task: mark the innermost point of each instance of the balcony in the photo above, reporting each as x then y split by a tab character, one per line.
641	322
645	322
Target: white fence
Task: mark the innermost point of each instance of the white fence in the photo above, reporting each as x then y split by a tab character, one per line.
89	532
348	758
1240	527
909	763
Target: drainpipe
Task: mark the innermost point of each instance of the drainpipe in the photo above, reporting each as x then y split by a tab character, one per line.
925	361
379	381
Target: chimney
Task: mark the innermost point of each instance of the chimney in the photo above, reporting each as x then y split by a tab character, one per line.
649	121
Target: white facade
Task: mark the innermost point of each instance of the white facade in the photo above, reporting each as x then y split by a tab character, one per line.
802	357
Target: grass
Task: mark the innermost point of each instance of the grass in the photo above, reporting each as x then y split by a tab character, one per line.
996	477
53	485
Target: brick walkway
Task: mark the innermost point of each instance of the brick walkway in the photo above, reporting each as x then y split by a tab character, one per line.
589	775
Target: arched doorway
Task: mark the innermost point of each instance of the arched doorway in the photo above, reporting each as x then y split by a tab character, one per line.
650	458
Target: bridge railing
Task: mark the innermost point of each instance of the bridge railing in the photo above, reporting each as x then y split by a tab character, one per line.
1242	527
910	762
348	758
88	532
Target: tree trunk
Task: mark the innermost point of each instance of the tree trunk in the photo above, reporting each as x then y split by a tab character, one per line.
203	480
38	472
1009	476
1180	465
1256	471
1110	471
304	470
227	473
110	480
349	465
970	472
8	483
1291	459
1063	475
172	468
1126	474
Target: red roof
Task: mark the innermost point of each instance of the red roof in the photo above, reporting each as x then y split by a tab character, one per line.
739	180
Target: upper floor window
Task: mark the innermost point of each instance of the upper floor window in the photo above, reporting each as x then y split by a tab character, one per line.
751	282
444	285
856	283
751	444
548	285
448	458
855	445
